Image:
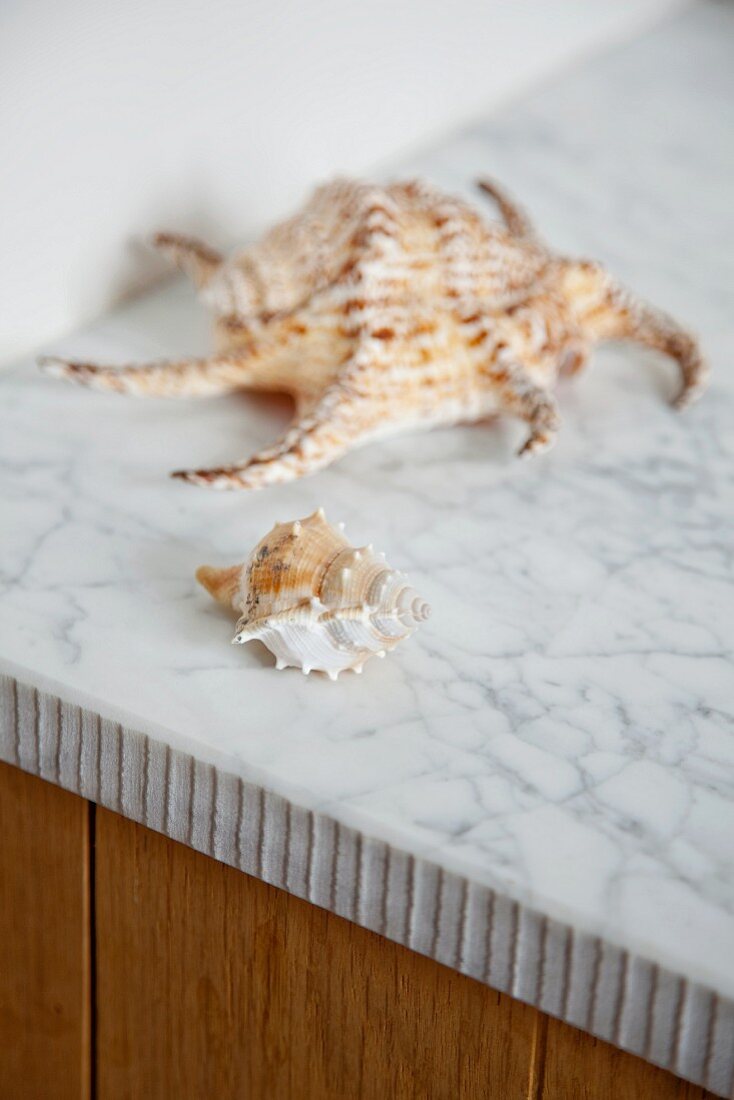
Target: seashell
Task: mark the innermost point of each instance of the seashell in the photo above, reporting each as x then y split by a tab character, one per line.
317	602
387	309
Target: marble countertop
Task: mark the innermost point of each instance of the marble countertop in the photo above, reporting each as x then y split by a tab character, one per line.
561	729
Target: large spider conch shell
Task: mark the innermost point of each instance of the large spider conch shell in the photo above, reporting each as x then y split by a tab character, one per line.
314	600
388	309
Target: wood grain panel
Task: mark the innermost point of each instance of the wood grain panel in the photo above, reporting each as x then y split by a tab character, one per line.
577	1066
211	983
44	940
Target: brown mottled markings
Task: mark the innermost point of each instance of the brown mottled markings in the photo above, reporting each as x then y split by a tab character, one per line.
348	268
353	304
498	374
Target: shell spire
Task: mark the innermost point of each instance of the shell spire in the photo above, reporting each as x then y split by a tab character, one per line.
412	609
317	602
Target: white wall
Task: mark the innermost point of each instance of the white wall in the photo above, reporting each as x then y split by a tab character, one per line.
212	116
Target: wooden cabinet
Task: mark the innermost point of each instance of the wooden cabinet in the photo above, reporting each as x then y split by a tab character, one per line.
133	967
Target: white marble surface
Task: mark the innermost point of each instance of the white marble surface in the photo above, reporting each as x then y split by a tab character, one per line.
561	729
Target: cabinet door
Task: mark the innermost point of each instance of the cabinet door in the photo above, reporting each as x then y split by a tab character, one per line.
213	984
44	940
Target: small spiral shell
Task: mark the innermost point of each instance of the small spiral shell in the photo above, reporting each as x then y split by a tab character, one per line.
317	602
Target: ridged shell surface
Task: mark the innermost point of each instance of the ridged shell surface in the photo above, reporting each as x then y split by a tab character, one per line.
317	602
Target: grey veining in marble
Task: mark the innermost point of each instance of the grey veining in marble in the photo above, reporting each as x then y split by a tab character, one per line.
561	729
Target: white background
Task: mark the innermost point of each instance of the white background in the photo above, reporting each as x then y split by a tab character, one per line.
117	118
